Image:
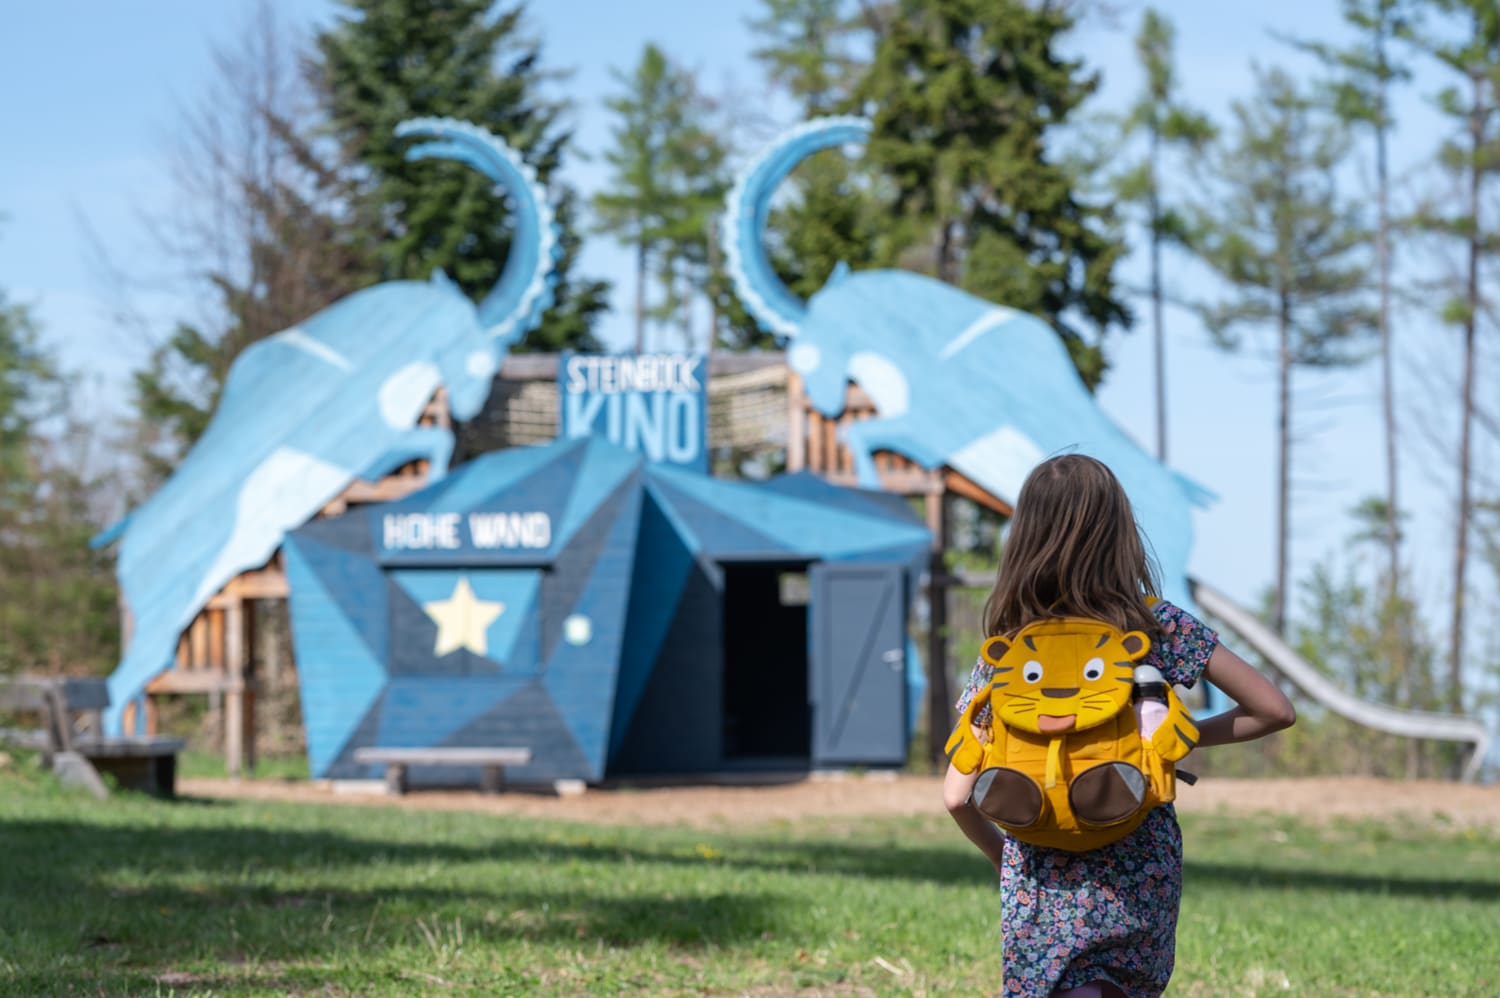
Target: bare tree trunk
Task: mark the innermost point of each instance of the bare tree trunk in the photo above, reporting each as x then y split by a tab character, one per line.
1387	372
1284	459
1466	418
943	264
640	296
1394	638
1159	329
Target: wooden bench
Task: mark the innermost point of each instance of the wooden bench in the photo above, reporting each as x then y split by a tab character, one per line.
71	738
492	762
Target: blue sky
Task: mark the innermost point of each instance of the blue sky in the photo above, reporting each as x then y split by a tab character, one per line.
92	90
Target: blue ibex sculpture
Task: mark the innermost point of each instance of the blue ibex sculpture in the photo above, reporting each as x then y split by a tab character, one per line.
956	380
307	411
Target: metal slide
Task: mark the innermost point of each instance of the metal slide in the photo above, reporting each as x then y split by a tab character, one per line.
1408	723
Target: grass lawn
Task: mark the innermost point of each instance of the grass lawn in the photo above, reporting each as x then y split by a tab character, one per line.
141	897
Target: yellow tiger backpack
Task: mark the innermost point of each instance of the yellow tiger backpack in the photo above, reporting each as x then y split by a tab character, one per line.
1065	766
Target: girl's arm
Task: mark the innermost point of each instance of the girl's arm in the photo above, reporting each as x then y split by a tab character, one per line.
989	839
1261	707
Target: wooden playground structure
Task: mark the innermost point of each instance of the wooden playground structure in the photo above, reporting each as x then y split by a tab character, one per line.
756	406
217	651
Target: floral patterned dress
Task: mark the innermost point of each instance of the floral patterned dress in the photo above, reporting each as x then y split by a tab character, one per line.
1110	914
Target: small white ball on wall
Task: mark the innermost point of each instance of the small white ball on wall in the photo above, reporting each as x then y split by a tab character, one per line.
578	630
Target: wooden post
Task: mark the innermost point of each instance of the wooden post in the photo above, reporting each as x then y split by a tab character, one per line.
234	691
796	424
247	630
247	727
939	697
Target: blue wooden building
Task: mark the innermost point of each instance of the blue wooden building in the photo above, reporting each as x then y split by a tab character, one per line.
615	616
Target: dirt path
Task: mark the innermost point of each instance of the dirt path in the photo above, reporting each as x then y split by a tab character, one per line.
730	806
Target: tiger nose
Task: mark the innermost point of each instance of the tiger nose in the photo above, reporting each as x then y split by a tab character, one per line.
1057	691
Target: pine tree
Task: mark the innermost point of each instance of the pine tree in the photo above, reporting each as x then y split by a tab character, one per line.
1290	247
805	47
1372	644
968	99
57	598
388	60
666	187
1166	124
1471	157
1359	92
22	367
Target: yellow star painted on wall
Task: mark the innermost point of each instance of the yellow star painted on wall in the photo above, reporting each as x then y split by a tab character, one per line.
463	620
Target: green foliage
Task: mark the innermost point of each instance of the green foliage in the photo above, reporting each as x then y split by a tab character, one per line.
1470	155
312	220
1366	633
58	607
388	60
1483	696
1363	73
805	47
57	601
262	898
1376	646
968	98
1281	235
666	187
1467	43
1166	125
23	367
831	217
1157	113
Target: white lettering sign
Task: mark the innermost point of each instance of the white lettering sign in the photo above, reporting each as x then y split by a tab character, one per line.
663	427
510	530
615	375
421	531
488	531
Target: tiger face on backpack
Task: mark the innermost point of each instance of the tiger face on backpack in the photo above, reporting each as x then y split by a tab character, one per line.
1066	765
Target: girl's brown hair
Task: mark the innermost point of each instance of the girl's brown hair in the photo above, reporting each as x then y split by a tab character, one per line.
1073	551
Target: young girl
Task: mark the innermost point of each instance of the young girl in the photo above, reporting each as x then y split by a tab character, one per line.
1103	923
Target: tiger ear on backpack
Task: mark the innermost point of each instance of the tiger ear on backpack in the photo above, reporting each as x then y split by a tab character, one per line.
994	650
1136	645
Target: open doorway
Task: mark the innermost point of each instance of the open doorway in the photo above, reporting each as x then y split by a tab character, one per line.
767	718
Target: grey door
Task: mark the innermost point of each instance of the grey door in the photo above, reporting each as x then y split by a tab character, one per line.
857	663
